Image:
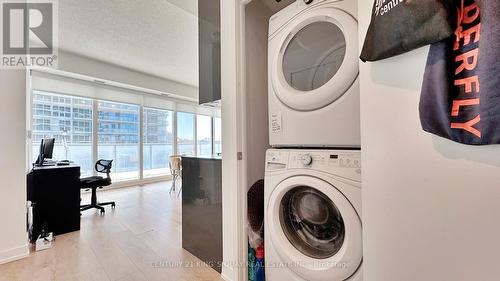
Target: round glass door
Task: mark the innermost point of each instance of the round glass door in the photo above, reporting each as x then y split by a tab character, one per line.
314	59
311	222
314	55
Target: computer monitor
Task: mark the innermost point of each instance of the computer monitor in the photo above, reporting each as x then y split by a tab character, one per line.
46	150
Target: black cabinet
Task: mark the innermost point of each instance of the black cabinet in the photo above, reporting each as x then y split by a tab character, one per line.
55	194
209	53
202	209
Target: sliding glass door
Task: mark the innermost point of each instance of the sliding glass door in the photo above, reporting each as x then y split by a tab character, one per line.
185	134
217	136
67	119
118	138
157	142
87	129
204	135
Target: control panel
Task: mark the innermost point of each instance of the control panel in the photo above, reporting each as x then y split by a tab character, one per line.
345	163
321	160
276	159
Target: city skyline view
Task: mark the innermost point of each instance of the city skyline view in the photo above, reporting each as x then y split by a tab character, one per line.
69	120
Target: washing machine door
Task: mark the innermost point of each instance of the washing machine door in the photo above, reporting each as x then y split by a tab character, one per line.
318	59
314	229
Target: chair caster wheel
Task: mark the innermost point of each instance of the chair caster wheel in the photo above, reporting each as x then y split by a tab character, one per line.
113	205
102	212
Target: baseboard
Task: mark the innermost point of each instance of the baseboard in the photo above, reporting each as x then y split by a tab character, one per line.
224	277
14	254
228	273
134	183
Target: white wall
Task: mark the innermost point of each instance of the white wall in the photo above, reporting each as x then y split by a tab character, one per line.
13	240
233	193
13	117
257	141
431	207
88	66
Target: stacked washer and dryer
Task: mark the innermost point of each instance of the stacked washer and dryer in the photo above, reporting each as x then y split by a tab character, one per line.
313	172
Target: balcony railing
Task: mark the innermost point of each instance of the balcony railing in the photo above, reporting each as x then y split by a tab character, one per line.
126	157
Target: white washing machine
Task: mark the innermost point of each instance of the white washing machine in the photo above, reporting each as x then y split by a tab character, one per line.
313	215
313	75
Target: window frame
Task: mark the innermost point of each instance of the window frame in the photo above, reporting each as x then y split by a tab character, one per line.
128	132
173	142
212	132
53	102
41	104
194	132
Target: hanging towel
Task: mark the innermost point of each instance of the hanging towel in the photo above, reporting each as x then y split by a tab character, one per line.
460	97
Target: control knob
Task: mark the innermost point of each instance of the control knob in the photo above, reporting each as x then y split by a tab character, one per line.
307	160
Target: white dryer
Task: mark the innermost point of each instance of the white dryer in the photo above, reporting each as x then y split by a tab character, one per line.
313	215
313	75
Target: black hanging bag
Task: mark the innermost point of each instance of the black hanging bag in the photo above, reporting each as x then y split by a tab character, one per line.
399	26
460	97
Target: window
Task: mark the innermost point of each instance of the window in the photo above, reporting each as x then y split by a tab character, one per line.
84	113
185	133
158	141
204	135
41	125
118	138
217	136
87	129
53	118
40	109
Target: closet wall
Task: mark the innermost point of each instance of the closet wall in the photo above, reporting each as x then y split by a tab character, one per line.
256	29
431	207
257	14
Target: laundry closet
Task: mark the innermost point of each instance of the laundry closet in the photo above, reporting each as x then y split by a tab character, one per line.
302	128
419	190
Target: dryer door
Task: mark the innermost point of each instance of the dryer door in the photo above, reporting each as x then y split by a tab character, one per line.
315	229
318	59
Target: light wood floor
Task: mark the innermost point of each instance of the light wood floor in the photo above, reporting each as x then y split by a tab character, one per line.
138	241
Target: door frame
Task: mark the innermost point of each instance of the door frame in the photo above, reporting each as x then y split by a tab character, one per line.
234	198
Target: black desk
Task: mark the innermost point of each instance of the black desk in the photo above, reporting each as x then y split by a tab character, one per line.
55	193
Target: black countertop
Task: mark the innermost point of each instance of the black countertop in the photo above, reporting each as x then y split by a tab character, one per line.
204	157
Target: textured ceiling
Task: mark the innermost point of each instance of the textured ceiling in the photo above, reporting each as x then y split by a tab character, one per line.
157	37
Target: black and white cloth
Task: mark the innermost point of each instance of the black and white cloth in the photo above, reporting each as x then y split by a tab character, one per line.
460	97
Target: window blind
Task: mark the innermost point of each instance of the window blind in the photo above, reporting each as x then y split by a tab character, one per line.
101	90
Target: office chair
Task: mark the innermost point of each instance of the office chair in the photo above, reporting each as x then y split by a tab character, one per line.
176	171
95	182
